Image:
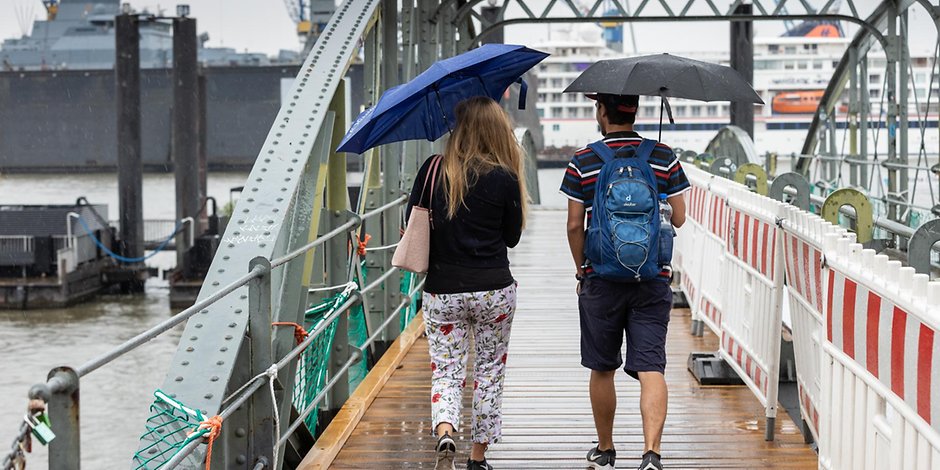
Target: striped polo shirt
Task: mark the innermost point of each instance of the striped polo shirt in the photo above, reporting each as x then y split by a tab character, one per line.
581	174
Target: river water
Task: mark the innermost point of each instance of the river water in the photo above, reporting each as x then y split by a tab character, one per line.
114	399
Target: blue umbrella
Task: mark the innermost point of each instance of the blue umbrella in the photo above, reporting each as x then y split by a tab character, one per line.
424	107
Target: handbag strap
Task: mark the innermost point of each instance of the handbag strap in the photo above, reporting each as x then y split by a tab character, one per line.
432	176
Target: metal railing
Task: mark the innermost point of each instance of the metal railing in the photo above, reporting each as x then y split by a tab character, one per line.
895	234
16	244
60	391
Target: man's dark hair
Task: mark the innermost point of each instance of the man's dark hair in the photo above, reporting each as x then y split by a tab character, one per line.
621	109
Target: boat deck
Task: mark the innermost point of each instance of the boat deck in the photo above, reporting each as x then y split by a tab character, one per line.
547	420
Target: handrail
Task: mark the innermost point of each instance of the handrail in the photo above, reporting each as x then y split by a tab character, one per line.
169	323
59	382
165	325
353	223
352	359
253	385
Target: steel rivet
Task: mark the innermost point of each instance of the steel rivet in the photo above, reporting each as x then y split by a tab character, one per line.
238	310
193	338
198	325
232	325
179	379
185	363
214	379
208	396
223	349
240	432
190	349
228	337
219	363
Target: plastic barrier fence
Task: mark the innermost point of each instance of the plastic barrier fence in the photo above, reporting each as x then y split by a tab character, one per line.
881	363
864	327
701	243
752	286
803	238
731	276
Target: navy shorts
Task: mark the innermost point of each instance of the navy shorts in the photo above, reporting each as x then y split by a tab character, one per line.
610	309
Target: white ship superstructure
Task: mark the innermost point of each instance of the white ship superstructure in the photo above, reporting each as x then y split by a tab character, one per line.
790	74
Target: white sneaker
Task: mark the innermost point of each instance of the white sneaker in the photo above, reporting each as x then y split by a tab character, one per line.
446	451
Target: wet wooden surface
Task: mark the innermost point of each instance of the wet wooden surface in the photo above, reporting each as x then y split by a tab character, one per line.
547	419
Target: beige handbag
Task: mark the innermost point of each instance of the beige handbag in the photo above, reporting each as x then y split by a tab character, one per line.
413	249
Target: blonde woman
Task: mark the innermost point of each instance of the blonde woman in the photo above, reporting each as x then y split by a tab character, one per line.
478	211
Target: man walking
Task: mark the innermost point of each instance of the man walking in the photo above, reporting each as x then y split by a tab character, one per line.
637	304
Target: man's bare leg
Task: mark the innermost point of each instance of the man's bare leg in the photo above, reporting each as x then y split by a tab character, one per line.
653	404
604	406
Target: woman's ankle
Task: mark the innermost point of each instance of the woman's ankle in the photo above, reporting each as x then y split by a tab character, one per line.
444	428
478	452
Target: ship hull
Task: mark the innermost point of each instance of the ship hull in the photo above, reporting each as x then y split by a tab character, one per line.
66	120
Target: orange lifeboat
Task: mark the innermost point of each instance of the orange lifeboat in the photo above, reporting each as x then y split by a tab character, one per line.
796	102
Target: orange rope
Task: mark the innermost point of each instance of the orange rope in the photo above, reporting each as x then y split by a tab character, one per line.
362	244
214	425
300	334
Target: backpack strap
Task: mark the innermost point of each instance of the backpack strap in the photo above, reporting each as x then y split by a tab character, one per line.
601	149
645	150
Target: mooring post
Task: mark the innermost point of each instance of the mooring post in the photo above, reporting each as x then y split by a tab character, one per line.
185	143
129	160
203	151
742	60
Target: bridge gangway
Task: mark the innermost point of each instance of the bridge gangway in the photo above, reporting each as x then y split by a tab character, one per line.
547	414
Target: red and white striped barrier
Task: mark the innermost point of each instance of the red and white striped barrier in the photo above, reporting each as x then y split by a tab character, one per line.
803	238
752	287
881	363
701	244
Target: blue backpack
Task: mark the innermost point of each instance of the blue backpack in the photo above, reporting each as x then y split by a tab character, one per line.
623	237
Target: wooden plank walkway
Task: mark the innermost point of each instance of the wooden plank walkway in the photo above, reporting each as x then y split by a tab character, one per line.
547	414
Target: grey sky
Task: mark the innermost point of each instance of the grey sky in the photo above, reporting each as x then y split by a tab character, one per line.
264	26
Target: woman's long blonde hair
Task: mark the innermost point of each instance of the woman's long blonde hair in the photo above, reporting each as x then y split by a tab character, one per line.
482	141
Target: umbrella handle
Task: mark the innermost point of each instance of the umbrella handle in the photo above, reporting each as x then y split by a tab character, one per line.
523	89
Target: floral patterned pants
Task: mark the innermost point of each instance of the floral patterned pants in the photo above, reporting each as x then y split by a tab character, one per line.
451	320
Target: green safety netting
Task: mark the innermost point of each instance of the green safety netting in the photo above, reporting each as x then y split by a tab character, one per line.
408	282
358	334
314	362
171	422
168	431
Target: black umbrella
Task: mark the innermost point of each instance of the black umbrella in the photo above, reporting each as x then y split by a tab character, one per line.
665	75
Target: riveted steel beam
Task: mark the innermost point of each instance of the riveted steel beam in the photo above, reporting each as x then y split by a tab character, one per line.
201	372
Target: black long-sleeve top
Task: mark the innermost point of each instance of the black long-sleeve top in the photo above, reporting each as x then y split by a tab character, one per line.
469	252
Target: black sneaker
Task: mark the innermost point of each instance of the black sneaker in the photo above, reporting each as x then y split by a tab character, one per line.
478	465
446	450
601	459
651	461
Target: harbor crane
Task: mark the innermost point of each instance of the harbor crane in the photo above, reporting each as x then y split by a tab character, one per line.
52	8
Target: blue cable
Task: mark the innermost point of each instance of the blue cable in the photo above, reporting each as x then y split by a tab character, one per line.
125	259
